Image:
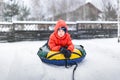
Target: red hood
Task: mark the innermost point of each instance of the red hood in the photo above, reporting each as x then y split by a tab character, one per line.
60	24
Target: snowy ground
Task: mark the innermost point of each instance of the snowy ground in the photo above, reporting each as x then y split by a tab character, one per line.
19	61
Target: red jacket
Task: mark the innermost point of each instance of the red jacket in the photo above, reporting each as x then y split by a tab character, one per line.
55	42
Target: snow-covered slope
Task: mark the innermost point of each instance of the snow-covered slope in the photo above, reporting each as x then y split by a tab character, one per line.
19	61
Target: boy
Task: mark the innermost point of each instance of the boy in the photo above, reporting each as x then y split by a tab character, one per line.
60	39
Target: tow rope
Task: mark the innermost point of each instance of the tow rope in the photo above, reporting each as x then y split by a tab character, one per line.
73	75
67	66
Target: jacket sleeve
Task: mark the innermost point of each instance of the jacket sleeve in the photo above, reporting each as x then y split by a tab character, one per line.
70	44
52	45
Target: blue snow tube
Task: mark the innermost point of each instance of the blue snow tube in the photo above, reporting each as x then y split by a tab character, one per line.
57	58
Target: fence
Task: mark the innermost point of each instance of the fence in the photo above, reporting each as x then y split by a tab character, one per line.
40	30
97	29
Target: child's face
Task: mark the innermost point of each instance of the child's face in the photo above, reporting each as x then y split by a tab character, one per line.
61	33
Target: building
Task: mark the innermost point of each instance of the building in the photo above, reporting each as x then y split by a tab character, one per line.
85	12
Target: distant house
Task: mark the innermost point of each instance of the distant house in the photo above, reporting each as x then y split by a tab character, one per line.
85	12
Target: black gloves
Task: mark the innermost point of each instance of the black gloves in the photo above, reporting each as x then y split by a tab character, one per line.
63	50
67	53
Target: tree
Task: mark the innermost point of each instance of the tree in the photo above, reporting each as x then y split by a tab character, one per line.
23	13
109	12
38	10
12	10
53	9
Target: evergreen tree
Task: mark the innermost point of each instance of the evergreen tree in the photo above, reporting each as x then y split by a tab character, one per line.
23	13
12	10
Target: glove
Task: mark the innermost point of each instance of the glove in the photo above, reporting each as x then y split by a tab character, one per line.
67	54
63	50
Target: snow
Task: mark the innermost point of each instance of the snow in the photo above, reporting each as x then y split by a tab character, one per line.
19	61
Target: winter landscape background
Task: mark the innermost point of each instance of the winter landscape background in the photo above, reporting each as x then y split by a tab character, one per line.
19	61
50	10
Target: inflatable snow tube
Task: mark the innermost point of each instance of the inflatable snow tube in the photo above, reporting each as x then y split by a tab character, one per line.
57	58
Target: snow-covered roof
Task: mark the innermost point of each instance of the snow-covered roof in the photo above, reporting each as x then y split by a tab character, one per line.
96	3
5	22
88	1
